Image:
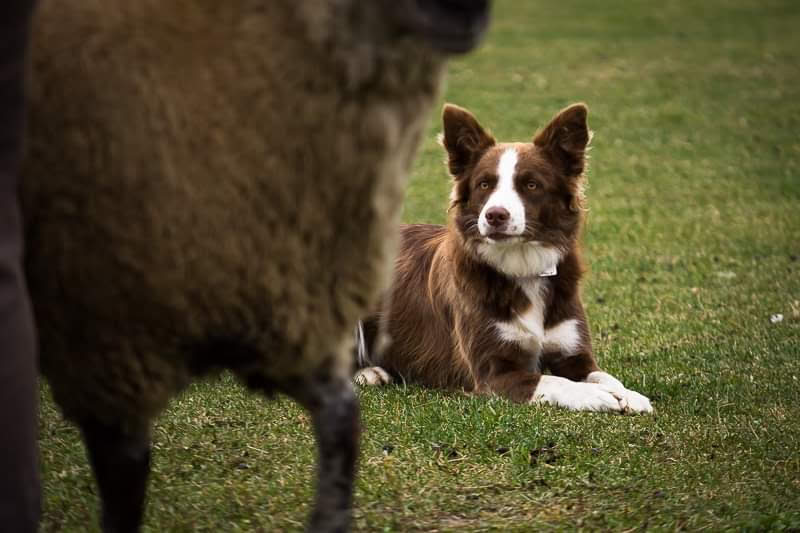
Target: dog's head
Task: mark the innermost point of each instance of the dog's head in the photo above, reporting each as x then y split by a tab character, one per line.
517	205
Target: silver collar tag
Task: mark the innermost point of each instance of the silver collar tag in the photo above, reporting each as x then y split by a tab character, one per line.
552	271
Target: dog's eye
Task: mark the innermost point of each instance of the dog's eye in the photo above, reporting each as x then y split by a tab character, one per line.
484	185
532	185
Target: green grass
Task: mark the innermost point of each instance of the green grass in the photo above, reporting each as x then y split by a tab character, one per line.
693	241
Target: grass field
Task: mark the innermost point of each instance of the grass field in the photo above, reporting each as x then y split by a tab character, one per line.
693	242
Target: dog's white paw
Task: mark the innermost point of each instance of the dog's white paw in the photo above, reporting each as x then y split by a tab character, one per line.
634	402
631	401
372	375
578	396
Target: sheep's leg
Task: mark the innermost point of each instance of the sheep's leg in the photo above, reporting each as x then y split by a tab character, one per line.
121	463
335	415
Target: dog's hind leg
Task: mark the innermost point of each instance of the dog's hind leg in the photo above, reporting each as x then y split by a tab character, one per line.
121	463
372	375
369	344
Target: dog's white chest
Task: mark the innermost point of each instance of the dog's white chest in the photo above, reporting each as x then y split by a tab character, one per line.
527	329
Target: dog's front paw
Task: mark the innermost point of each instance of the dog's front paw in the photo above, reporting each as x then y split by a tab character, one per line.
578	396
633	402
372	375
630	401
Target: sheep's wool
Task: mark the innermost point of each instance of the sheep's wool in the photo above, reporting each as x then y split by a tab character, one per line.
207	188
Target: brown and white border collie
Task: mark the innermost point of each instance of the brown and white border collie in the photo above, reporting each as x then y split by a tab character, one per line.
491	301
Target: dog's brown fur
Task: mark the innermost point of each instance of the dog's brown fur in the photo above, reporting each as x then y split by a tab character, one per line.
448	300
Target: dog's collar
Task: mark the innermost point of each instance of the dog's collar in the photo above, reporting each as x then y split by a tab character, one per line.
546	273
550	272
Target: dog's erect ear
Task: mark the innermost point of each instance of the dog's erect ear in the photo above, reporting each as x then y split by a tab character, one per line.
565	139
463	138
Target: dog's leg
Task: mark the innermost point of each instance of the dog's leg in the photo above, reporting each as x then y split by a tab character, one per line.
581	367
530	387
575	395
368	344
372	375
121	463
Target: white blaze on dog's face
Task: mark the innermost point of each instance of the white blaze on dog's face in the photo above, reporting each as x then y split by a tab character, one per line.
517	204
503	214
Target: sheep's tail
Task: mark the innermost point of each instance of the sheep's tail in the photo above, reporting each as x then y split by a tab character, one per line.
362	354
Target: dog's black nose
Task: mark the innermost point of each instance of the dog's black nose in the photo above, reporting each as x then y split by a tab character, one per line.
497	216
